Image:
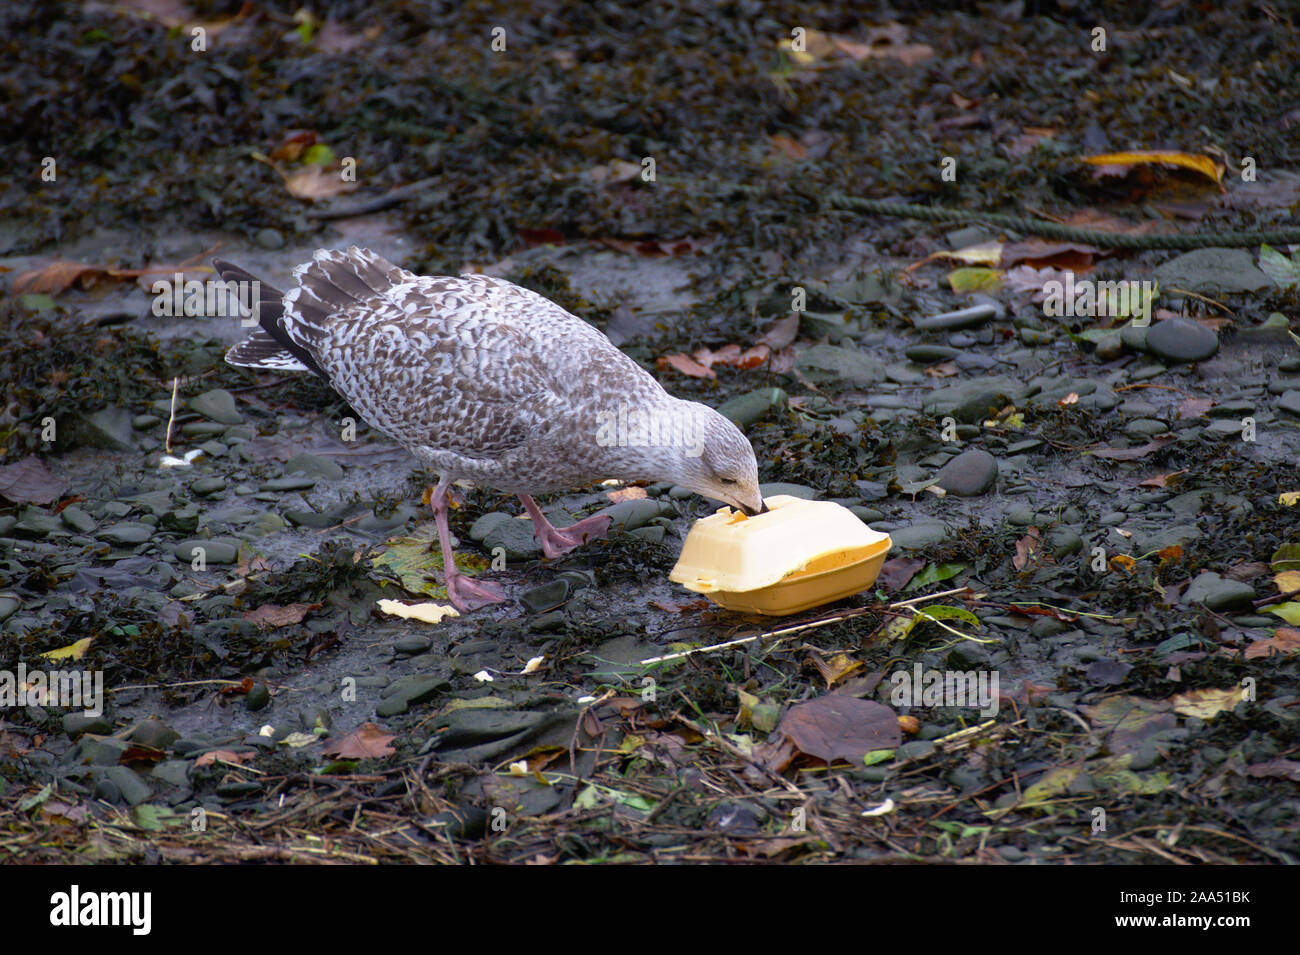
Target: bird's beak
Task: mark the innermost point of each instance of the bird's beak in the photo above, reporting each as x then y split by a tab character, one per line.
751	511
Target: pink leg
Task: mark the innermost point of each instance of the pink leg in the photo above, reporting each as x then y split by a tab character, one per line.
560	540
464	592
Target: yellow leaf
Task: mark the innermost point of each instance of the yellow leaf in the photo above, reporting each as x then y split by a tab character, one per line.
1203	164
1207	703
73	651
1123	561
1288	498
1287	581
975	280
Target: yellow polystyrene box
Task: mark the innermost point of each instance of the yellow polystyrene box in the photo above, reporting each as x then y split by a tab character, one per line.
796	555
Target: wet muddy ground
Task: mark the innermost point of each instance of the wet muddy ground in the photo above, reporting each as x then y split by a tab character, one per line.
1110	507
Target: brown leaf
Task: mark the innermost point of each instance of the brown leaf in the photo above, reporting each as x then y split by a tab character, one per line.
366	741
269	616
781	333
1163	480
56	277
29	482
542	236
686	365
788	148
835	727
225	755
897	571
1278	768
1030	551
1133	454
1284	641
313	181
1194	407
293	144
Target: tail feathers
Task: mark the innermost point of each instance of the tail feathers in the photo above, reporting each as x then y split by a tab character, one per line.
269	345
333	281
260	350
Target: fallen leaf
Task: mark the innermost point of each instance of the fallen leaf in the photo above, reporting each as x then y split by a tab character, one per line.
313	181
1133	454
835	726
1129	721
1030	551
1163	480
1121	163
896	572
1194	407
365	742
224	755
1289	498
1277	768
686	365
29	482
1284	641
781	333
1206	703
269	616
73	651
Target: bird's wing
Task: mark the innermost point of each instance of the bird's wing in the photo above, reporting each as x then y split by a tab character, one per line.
435	364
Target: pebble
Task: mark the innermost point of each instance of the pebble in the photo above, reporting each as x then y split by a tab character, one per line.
108	428
215	550
286	484
78	520
219	405
752	406
969	474
830	363
258	697
314	465
1216	592
1181	340
546	597
127	534
1289	402
919	535
207	486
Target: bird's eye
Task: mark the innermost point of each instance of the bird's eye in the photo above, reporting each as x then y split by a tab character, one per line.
727	480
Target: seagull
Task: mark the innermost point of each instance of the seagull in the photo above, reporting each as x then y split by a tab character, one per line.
487	382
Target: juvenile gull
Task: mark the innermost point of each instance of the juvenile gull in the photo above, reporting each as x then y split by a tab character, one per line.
488	382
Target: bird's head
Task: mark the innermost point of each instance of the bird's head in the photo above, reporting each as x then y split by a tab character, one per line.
720	464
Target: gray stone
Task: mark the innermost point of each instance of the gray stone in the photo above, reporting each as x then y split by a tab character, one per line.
1289	402
970	473
918	536
1216	592
207	486
752	406
34	522
515	536
826	364
1218	270
216	550
1181	340
793	490
129	783
486	522
313	465
74	724
258	698
78	520
219	405
127	534
546	597
970	402
108	428
154	733
287	484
